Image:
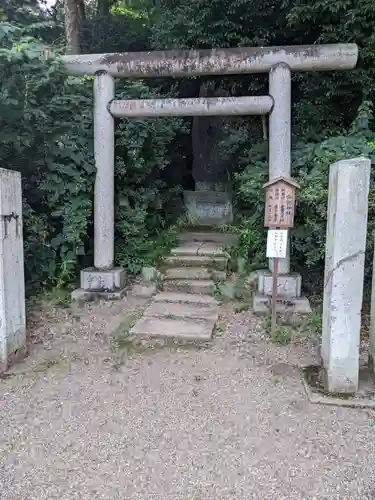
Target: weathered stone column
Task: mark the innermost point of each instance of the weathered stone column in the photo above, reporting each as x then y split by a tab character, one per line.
289	285
12	281
371	360
104	150
103	279
349	182
280	142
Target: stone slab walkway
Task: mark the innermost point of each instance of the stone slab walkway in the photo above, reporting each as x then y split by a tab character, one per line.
189	312
84	419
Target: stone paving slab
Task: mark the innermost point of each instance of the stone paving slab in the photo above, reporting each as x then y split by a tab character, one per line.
200	248
190	286
300	305
219	238
174	328
190	248
208	248
188	273
142	290
187	298
196	260
183	310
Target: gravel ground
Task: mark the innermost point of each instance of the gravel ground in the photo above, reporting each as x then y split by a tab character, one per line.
81	419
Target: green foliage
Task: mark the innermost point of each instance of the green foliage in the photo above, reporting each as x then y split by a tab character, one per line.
121	32
141	156
53	156
219	23
46	125
336	95
46	134
310	165
324	106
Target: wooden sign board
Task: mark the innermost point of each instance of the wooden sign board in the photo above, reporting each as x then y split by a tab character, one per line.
280	203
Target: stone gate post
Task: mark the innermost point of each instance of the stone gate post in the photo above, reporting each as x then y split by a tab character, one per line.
12	280
349	182
104	151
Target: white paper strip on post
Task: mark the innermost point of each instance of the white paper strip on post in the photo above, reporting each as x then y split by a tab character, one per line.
277	240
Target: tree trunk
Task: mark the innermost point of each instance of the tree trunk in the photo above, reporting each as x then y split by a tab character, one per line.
74	13
103	8
81	11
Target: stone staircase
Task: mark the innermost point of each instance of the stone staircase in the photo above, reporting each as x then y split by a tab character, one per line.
185	308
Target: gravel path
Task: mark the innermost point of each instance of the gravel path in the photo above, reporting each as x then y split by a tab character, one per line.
81	419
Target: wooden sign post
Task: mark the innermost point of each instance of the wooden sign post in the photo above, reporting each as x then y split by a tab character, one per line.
279	217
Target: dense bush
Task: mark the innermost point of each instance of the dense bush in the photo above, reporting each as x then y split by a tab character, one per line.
324	106
142	153
310	165
46	125
46	134
44	138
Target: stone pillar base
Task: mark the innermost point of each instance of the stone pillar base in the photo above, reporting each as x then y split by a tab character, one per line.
288	285
289	297
297	305
108	284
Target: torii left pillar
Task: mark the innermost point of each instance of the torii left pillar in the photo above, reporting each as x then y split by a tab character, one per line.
103	279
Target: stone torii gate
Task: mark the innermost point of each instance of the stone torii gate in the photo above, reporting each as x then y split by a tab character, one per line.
279	62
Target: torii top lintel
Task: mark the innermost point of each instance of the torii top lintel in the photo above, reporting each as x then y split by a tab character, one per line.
177	63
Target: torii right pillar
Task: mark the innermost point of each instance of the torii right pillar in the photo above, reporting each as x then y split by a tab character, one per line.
280	165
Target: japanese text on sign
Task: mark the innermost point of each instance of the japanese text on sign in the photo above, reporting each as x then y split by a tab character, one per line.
277	240
280	199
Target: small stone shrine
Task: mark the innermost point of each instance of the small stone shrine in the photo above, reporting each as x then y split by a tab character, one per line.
210	203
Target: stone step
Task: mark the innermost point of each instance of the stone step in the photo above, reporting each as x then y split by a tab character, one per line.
185	329
184	298
198	287
194	273
188	273
200	248
196	261
227	239
183	310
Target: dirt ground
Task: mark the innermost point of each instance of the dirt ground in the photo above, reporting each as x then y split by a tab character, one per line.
85	418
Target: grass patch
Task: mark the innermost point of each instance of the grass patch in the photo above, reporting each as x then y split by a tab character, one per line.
315	322
121	333
219	330
283	334
314	377
58	297
294	327
241	307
